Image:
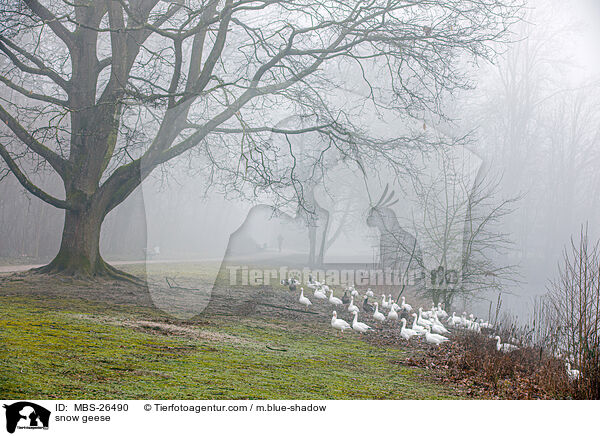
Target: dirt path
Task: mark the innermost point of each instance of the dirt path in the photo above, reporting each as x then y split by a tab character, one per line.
22	268
267	256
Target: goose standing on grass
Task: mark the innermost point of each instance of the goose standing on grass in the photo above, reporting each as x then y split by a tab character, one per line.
290	283
486	325
354	292
392	303
475	326
463	320
369	293
405	305
441	312
359	326
422	322
406	333
455	319
384	304
368	307
339	324
505	348
377	315
424	314
352	307
416	327
313	284
433	338
573	374
392	315
334	300
437	326
303	300
439	329
471	323
320	294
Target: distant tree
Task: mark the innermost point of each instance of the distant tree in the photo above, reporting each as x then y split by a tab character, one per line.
463	247
104	92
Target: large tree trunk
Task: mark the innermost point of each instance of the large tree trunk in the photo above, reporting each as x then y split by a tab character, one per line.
80	246
79	253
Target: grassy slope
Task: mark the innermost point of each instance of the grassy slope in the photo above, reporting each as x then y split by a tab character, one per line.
58	348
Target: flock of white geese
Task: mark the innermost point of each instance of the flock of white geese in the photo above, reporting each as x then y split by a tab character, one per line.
428	325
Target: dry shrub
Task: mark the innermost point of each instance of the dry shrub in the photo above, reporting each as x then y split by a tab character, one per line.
526	373
572	315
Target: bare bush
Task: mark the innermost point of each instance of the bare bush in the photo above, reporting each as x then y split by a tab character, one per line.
572	315
526	373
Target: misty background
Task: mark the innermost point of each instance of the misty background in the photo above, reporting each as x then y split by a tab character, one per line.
534	117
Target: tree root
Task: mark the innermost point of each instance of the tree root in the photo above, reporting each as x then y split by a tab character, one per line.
102	270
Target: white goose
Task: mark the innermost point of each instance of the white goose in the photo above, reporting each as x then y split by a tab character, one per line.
421	321
334	300
406	333
573	374
320	294
486	325
416	327
464	322
405	305
475	327
437	326
339	324
359	326
392	315
425	314
352	307
433	338
505	348
354	293
369	293
439	329
454	320
377	315
441	312
384	304
392	303
303	300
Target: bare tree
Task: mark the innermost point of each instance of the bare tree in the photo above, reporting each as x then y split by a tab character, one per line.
460	237
104	92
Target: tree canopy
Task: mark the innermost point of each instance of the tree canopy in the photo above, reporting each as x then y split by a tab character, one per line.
103	92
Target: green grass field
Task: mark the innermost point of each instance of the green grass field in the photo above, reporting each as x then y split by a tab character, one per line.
72	348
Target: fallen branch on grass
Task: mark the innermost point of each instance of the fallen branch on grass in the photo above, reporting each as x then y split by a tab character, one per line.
174	285
287	308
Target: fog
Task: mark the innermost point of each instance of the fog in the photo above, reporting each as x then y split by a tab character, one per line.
533	126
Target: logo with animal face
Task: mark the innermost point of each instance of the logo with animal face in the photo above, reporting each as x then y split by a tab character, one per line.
26	415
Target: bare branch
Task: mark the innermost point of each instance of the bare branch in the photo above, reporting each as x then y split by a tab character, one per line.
60	165
30	186
52	21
